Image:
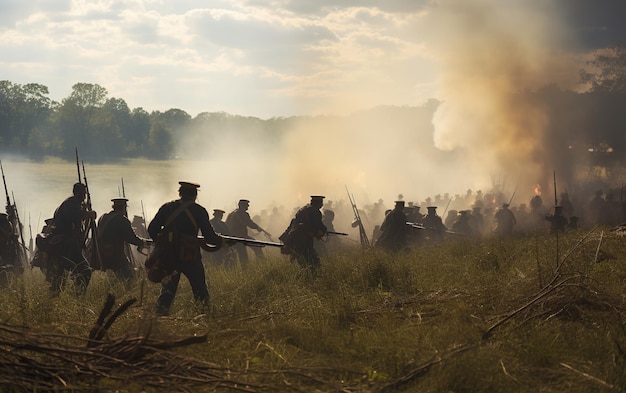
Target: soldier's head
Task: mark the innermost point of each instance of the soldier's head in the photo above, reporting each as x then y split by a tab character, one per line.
329	214
317	201
120	204
399	205
79	190
505	205
188	190
218	213
243	204
432	210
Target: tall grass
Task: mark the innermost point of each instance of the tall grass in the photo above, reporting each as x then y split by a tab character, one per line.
374	321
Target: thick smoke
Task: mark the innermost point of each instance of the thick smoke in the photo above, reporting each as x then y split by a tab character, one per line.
490	53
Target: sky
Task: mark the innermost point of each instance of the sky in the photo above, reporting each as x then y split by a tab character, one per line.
282	57
320	57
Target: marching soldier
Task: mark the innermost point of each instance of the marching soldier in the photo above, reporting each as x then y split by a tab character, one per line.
67	223
114	233
238	222
394	229
175	230
301	233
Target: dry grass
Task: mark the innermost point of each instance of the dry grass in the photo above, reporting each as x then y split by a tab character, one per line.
461	316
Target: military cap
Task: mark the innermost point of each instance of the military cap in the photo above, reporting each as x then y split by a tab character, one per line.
218	211
505	205
119	201
244	202
188	185
432	207
399	203
317	198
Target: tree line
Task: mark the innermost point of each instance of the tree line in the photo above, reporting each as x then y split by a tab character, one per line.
105	128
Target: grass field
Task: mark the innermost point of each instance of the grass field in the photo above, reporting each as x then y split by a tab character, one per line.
534	313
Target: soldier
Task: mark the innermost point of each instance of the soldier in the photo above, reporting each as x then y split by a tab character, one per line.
114	234
223	255
139	226
394	229
304	228
451	218
463	224
434	224
175	229
8	251
238	222
477	221
324	247
505	220
558	222
67	223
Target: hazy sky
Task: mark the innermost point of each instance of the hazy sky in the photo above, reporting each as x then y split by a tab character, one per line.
306	57
282	57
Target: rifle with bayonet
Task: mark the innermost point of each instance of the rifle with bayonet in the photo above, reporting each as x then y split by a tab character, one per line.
127	249
336	233
357	220
89	225
231	240
14	219
422	227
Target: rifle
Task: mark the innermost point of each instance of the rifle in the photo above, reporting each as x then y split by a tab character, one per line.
514	191
232	239
336	233
127	249
90	225
362	235
14	218
422	227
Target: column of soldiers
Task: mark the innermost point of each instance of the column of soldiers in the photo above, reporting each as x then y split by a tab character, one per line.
177	224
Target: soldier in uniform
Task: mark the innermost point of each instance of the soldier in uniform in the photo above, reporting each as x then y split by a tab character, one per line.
139	226
67	223
238	222
304	228
558	222
224	255
114	234
175	228
463	224
394	230
434	224
8	248
505	220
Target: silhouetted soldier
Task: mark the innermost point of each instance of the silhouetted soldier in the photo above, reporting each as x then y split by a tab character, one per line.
139	226
451	218
114	234
433	224
463	225
505	220
597	207
9	261
238	222
223	255
301	233
477	221
394	229
67	222
558	222
175	228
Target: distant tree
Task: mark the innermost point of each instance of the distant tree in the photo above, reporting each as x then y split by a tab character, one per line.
161	143
139	136
607	71
75	113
